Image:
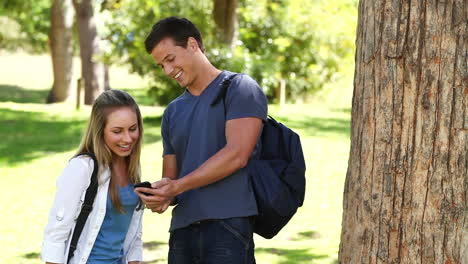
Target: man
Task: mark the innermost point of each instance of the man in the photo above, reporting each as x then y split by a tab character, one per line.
206	148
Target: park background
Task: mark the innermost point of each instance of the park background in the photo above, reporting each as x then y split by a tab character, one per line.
309	44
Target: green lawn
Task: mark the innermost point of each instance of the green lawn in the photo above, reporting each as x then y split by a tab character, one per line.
39	139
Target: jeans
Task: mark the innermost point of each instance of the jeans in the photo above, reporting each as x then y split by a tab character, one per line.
220	241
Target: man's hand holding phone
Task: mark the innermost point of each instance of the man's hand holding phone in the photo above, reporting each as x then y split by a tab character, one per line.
145	191
143	185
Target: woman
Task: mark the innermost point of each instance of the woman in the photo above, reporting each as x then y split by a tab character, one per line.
112	233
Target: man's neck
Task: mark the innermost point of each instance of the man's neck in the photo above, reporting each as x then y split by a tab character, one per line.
204	79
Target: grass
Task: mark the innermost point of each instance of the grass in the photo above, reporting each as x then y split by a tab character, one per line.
39	139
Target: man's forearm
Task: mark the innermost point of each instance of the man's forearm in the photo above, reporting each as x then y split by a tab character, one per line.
241	137
224	163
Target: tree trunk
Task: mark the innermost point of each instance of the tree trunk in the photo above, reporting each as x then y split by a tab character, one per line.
281	92
61	50
406	190
106	78
224	14
92	69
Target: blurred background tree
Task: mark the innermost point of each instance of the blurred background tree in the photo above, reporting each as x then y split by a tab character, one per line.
61	50
25	24
94	73
292	48
281	43
44	25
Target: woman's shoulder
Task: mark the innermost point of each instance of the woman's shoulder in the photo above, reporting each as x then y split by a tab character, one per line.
76	173
84	161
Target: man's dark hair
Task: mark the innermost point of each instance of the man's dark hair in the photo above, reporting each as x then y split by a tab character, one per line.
179	29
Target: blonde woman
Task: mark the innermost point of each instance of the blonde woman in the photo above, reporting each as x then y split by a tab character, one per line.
112	233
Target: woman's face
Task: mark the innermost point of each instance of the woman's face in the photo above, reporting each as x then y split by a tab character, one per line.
121	132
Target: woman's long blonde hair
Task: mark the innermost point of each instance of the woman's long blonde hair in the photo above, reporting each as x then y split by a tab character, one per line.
93	139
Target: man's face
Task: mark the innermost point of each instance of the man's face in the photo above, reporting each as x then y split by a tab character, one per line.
176	61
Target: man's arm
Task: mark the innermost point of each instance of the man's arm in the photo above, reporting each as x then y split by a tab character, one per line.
241	137
169	169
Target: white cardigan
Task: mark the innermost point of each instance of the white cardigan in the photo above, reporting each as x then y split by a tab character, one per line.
71	189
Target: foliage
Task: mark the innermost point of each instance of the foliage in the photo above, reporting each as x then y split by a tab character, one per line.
278	39
295	40
304	42
24	24
128	24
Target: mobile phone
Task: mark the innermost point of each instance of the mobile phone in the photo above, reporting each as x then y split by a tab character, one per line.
143	184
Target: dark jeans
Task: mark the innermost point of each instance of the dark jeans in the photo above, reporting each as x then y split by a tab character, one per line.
222	241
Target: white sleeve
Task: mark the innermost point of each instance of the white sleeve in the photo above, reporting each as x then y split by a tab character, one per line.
71	185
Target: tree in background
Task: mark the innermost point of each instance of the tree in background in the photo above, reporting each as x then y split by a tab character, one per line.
24	24
287	44
292	48
40	25
61	49
225	17
93	70
297	46
406	190
33	25
128	25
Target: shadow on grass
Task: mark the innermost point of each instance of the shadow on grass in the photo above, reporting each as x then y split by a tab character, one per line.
319	126
292	256
31	255
152	120
29	135
152	126
307	235
17	94
346	110
151	138
153	245
141	96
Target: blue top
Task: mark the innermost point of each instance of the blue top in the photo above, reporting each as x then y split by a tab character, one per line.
194	131
108	247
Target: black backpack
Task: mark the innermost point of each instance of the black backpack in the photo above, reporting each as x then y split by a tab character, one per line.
277	173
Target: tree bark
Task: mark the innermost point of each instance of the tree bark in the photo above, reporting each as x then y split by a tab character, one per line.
92	69
61	50
406	190
224	14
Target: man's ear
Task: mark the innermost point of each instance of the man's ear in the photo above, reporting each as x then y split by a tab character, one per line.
192	44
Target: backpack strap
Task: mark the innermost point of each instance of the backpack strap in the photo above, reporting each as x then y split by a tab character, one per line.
223	91
86	208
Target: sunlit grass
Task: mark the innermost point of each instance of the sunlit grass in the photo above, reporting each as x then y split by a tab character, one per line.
43	140
39	139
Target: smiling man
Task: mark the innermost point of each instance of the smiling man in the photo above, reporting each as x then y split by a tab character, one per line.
206	149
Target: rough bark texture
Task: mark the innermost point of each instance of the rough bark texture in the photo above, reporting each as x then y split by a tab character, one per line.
224	14
61	49
406	190
92	69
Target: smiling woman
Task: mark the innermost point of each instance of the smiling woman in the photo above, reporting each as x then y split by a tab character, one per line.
112	232
121	131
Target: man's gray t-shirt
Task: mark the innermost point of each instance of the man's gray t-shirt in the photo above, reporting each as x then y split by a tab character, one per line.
194	131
